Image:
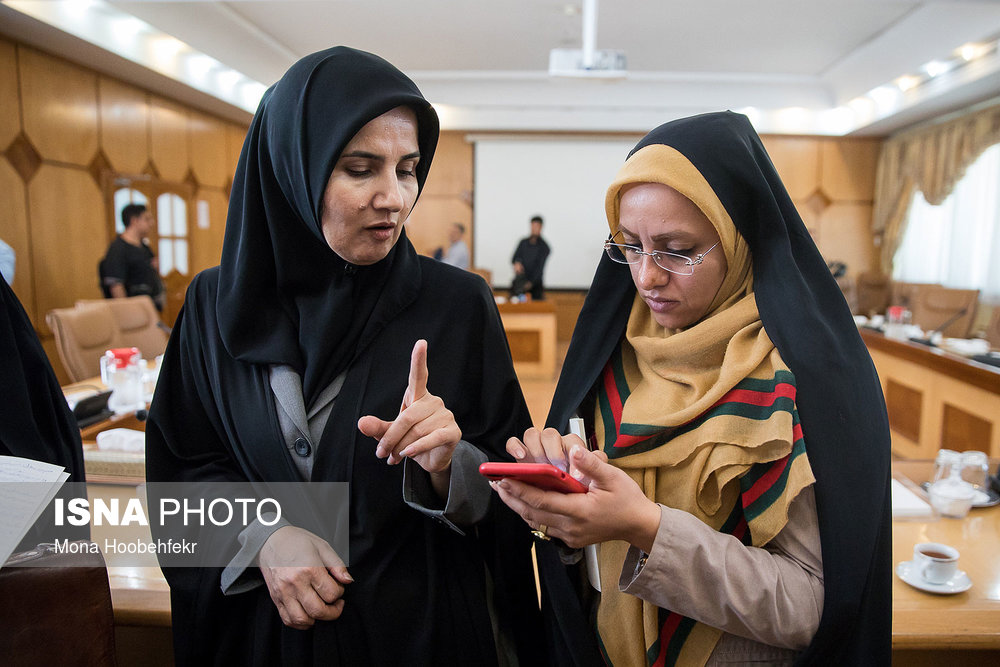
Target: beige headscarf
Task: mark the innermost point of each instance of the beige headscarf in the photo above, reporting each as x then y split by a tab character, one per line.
672	413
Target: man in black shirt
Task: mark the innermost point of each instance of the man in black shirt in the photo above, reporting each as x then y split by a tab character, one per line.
130	268
529	263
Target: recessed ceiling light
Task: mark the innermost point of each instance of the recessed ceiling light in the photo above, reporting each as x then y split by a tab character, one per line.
936	68
972	50
907	81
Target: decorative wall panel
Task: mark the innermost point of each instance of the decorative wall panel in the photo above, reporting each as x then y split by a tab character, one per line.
124	126
845	236
14	232
60	107
208	150
797	160
169	139
68	236
10	113
848	169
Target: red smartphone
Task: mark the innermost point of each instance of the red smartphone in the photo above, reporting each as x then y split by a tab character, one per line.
543	475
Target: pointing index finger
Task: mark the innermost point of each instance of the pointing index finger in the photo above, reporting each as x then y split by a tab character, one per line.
417	385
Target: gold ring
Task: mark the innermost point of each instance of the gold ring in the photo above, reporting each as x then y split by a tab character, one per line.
540	533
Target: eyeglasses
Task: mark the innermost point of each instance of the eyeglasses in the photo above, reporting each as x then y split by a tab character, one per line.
668	261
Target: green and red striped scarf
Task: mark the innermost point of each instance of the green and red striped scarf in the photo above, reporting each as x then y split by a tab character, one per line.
724	444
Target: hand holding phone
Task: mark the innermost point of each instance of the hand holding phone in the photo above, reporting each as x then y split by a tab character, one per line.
542	475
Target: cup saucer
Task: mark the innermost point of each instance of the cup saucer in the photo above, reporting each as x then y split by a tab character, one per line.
908	572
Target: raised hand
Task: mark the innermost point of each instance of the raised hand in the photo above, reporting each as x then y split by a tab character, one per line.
425	429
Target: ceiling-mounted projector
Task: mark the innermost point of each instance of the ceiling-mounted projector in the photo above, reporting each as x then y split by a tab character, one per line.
604	63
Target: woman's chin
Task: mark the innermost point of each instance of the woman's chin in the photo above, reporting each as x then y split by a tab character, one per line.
672	319
367	253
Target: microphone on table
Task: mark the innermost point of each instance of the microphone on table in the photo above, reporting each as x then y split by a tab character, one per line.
947	323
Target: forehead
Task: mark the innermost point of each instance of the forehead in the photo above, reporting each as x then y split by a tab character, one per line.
656	209
397	126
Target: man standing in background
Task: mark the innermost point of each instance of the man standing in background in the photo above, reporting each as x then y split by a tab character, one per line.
529	263
130	268
457	253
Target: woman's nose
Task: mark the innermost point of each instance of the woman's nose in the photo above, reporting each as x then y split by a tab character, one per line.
650	274
389	194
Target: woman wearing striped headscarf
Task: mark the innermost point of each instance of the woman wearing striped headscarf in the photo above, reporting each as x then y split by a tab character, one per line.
737	445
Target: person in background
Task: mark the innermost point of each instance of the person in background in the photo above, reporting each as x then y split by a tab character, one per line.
7	262
457	253
289	363
738	486
130	268
529	263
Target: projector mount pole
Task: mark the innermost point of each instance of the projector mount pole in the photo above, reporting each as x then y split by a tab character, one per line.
589	32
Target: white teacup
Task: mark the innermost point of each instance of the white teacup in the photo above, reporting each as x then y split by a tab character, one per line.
937	563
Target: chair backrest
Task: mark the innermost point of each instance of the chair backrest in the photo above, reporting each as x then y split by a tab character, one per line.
935	305
872	292
85	331
993	329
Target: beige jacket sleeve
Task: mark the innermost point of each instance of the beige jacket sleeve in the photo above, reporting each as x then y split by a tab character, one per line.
772	595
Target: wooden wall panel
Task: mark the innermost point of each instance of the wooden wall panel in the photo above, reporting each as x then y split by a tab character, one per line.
124	126
797	161
845	235
69	236
14	232
60	107
10	112
206	244
848	169
428	225
451	170
811	220
168	139
208	149
235	135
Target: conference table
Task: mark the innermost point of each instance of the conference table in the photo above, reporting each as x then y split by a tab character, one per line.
936	398
965	625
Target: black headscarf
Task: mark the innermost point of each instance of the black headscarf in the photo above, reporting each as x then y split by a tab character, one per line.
839	397
284	296
35	420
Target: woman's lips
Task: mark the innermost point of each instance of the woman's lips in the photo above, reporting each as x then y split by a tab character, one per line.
660	305
382	231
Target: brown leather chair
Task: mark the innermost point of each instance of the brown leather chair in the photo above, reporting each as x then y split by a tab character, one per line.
56	611
872	291
935	306
84	332
993	329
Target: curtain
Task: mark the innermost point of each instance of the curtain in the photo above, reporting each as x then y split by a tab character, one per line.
930	159
956	243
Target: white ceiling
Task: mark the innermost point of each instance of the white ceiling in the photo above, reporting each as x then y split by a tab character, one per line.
484	64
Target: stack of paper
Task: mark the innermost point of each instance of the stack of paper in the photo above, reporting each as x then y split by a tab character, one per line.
906	504
26	489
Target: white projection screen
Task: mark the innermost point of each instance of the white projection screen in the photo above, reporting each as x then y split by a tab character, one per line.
564	181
